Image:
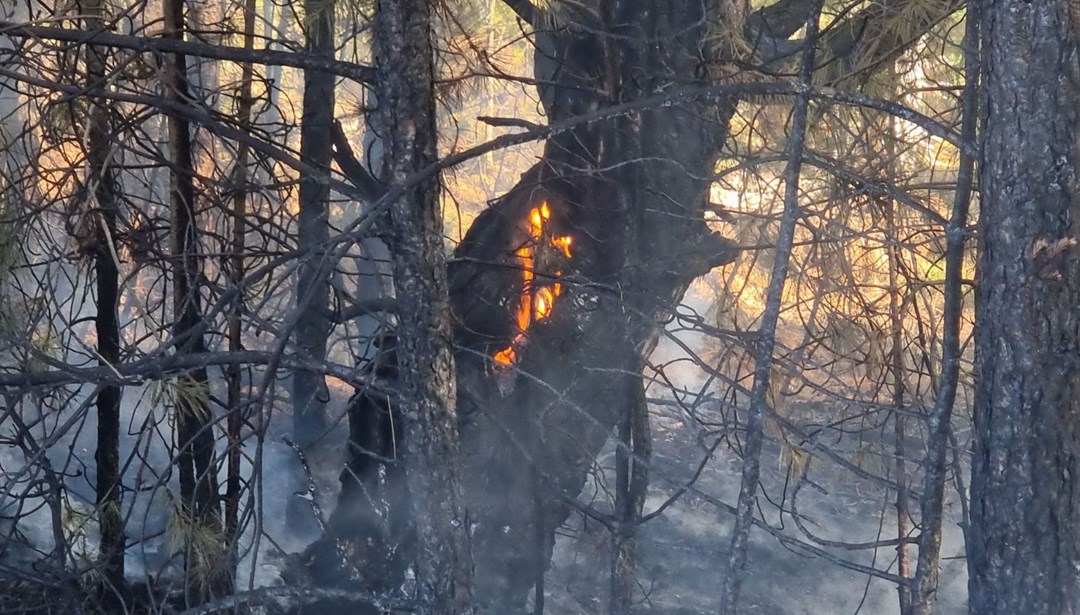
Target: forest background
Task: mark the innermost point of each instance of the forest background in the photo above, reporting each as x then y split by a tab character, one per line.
508	306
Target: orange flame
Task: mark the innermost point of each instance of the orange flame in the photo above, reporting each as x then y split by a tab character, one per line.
536	301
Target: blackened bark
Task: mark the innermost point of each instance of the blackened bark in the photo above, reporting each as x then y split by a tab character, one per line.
103	206
631	488
426	371
924	588
208	575
370	538
550	414
1025	500
631	192
235	403
766	334
309	388
312	289
626	149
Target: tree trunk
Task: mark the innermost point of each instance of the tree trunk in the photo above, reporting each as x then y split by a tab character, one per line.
208	572
631	486
765	342
309	387
235	404
898	373
426	372
1025	500
923	591
103	207
606	232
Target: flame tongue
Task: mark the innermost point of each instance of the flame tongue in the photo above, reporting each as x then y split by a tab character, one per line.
535	300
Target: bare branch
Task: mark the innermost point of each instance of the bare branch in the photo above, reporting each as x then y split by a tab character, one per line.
268	57
861	43
504	122
161	367
352	168
364	308
296	596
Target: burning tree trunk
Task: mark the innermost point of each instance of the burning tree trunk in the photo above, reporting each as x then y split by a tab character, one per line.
557	289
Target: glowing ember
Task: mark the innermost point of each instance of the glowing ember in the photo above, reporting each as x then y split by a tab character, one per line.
536	300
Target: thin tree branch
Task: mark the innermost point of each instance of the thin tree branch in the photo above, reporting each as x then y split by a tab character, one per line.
297	596
351	167
511	122
268	57
366	307
766	337
161	367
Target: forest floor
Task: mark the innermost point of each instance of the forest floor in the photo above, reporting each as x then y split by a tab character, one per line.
683	552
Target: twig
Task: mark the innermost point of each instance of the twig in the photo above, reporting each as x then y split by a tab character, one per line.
512	122
268	57
310	494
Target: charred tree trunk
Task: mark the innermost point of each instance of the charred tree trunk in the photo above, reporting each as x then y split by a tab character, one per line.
555	288
608	185
208	573
632	420
309	388
312	289
631	486
605	183
424	347
1025	498
103	213
923	591
235	404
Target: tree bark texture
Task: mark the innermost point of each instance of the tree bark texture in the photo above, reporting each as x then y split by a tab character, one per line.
424	345
312	290
1025	502
309	392
208	572
631	192
631	487
102	215
532	433
235	404
923	592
